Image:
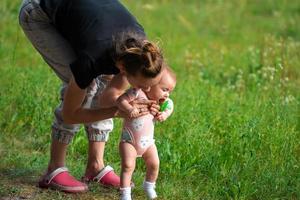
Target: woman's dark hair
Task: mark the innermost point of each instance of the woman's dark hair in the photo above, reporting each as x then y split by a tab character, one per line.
137	54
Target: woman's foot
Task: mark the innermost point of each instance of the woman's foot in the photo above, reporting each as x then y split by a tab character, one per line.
105	176
61	180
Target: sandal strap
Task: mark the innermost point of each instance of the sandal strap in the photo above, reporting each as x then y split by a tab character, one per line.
48	178
102	173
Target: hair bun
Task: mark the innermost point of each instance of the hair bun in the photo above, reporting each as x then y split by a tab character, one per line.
130	42
134	51
137	54
151	48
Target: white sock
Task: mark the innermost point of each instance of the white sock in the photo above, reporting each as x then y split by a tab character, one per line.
125	193
149	188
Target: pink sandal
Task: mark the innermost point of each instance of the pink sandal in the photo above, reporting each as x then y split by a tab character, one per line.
61	180
105	177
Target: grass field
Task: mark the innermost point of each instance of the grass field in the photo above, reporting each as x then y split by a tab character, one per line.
235	132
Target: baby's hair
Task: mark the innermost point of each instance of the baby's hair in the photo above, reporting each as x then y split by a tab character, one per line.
171	73
137	54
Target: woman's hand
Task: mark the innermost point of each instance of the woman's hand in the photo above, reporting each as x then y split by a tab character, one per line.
134	112
122	114
143	106
154	109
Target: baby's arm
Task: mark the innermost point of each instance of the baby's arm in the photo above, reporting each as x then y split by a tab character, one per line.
163	115
123	102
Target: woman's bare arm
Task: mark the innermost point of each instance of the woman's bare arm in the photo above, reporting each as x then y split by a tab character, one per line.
115	89
73	111
117	86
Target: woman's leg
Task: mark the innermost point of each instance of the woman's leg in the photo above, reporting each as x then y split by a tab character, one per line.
98	134
62	135
57	52
95	158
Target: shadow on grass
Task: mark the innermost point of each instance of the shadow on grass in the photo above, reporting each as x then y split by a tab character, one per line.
18	184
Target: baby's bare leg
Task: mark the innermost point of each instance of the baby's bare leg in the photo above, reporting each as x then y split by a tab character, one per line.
128	158
152	163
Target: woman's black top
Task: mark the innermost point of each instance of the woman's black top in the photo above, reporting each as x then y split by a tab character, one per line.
89	26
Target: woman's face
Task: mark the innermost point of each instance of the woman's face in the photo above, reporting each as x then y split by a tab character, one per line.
139	81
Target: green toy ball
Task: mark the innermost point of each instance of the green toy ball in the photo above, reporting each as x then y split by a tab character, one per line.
164	106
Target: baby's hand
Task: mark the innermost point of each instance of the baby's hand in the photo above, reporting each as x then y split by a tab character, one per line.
134	113
160	117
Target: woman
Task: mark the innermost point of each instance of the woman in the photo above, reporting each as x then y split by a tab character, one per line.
82	41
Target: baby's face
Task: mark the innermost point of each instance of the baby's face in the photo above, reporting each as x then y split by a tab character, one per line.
161	91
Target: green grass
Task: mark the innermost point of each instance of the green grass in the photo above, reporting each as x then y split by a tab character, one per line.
236	126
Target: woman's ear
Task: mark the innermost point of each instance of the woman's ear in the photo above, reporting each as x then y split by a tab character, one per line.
121	67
